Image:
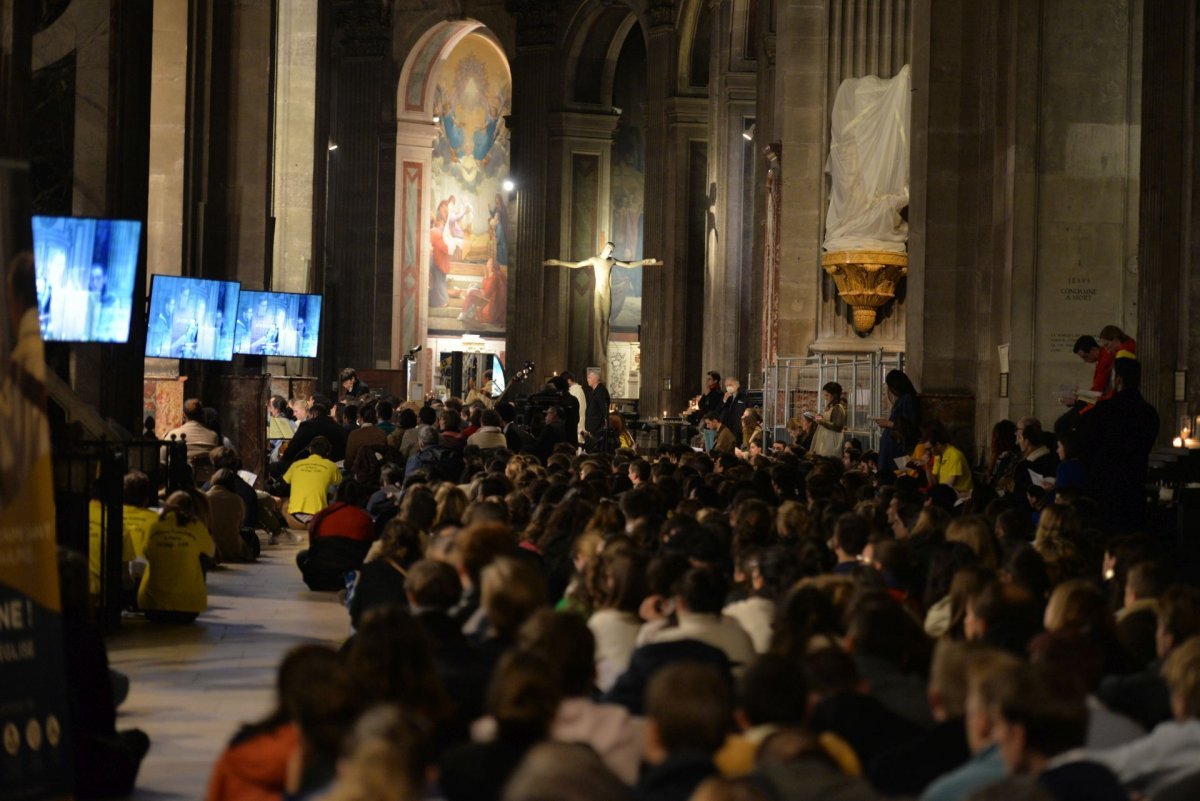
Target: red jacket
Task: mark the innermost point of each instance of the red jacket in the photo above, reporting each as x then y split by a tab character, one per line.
342	520
256	768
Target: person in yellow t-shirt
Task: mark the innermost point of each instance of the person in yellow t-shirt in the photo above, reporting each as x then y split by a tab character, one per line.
310	479
138	518
950	465
173	589
95	547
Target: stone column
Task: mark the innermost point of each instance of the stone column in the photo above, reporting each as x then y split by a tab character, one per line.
295	124
800	126
663	377
356	187
537	29
1167	258
410	299
729	327
168	118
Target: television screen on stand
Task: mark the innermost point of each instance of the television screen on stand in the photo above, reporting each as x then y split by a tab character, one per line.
278	324
192	318
85	270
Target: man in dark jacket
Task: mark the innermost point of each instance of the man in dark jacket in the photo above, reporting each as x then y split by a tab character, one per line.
512	432
733	406
598	402
318	424
554	431
570	408
442	463
711	401
1118	435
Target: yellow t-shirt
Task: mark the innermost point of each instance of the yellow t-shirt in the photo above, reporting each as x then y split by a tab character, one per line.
138	521
174	581
310	479
952	468
95	554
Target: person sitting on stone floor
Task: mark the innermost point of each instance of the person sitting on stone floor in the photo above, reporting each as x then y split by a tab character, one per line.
200	439
382	579
173	588
310	479
688	713
254	764
235	542
106	761
365	435
339	537
1041	722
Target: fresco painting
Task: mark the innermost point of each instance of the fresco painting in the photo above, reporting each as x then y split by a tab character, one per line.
469	227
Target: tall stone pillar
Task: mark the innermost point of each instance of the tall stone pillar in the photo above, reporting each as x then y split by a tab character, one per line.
1167	246
537	27
663	375
354	185
414	162
730	330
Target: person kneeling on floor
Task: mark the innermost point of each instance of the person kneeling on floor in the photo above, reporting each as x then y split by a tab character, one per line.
339	537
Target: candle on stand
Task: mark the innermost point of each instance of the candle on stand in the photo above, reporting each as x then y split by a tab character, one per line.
1177	442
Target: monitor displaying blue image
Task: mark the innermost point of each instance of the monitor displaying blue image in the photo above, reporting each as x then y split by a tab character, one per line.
192	318
85	272
278	324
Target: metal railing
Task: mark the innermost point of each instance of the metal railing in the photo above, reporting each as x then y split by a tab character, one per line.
792	386
88	472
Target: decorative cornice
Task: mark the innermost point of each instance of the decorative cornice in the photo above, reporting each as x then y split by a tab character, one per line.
364	27
537	21
661	13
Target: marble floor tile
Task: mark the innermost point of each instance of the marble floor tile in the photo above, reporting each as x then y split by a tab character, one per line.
191	687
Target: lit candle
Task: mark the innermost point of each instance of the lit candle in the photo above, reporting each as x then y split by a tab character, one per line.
664	412
1177	442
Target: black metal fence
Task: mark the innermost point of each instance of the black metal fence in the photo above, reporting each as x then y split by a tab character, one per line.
89	477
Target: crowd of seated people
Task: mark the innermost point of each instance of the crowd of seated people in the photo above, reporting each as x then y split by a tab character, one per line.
750	620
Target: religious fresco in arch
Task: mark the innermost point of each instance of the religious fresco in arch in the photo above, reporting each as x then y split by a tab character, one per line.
628	183
469	226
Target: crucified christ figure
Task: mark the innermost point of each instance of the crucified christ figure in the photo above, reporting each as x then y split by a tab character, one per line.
602	294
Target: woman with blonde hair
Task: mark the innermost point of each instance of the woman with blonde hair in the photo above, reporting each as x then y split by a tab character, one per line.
451	504
793	521
977	534
1078	606
385	758
1055	522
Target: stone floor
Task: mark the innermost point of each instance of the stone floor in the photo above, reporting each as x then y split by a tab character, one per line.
192	686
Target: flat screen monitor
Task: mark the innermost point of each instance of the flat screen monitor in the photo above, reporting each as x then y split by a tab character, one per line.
278	324
85	271
192	318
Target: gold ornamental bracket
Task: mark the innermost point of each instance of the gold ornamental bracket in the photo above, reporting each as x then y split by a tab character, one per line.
866	281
